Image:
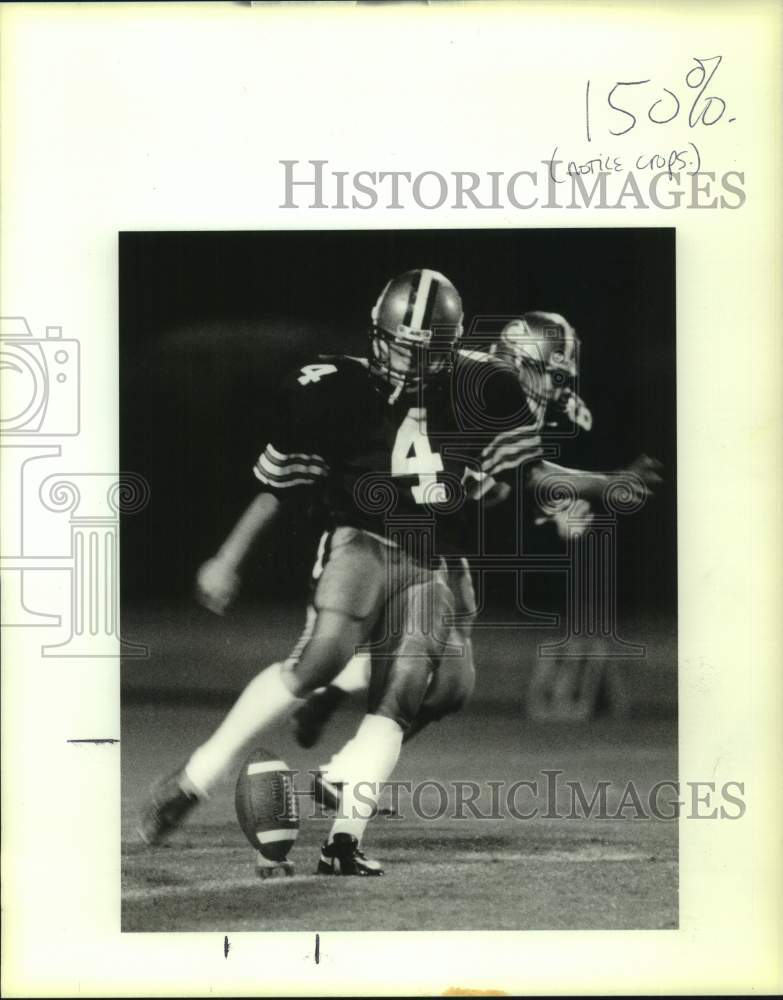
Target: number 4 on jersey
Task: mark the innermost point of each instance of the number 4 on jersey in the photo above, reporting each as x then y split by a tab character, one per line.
412	456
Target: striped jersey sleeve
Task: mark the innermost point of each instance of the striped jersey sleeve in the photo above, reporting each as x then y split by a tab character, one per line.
279	470
511	448
518	437
294	455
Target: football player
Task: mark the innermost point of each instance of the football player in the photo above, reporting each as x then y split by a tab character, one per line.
396	456
398	445
542	348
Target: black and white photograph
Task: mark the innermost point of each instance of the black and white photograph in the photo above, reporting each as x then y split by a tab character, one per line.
402	604
390	458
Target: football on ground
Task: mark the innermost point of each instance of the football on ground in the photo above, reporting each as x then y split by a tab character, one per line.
266	807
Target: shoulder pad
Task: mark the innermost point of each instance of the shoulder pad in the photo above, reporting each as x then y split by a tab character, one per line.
471	355
324	370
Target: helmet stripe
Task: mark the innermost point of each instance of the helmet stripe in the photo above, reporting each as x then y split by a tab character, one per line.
412	295
422	299
426	322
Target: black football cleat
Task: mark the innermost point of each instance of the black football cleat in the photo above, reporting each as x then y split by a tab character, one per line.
343	857
311	717
328	794
169	803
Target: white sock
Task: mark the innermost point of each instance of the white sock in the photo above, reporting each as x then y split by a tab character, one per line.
375	751
340	763
355	675
265	700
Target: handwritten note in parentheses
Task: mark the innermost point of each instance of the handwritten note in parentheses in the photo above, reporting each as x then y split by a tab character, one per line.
691	99
658	124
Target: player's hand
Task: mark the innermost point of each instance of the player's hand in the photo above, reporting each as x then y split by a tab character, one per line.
570	523
496	494
217	583
647	469
645	473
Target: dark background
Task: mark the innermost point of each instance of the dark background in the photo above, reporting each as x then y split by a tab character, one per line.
209	322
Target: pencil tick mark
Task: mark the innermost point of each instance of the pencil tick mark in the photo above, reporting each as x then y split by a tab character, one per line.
587	110
317	949
226	946
98	741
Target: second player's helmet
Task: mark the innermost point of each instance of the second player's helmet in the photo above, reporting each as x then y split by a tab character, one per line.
543	340
544	349
416	328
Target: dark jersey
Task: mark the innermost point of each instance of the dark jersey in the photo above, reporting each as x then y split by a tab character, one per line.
413	468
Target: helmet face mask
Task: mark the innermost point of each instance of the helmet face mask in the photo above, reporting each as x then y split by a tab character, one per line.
402	362
416	328
544	348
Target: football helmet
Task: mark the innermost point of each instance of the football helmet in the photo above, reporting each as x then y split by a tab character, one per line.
416	328
544	349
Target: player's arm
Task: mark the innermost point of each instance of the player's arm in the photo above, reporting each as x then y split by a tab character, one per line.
638	478
588	489
515	442
291	465
218	579
519	445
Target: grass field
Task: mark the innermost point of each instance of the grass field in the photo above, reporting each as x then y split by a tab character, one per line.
446	874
